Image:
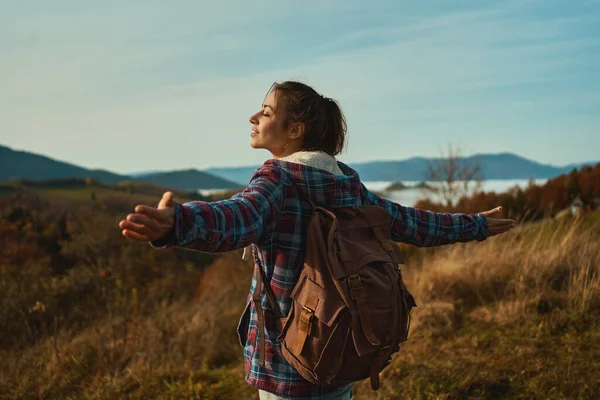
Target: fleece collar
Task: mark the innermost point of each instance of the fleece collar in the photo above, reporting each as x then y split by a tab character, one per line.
315	159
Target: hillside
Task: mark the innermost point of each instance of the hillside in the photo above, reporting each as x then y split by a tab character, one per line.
87	314
189	179
16	164
493	166
25	165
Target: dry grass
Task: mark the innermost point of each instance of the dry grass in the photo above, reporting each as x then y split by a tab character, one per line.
183	349
516	316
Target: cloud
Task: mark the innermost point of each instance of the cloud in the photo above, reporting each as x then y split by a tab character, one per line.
139	85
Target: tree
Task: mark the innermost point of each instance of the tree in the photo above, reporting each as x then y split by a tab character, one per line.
452	176
573	187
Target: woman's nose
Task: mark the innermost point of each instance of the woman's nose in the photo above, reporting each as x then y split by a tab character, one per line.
253	119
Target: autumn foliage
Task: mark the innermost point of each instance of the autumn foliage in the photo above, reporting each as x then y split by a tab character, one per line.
535	201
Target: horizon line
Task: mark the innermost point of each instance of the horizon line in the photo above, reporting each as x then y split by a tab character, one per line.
587	162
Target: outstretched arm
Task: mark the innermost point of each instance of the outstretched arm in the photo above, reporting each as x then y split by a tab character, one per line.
212	227
426	228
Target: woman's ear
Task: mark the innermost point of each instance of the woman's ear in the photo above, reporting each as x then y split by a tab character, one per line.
296	131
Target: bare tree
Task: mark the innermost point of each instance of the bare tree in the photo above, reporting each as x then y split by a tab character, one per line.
452	176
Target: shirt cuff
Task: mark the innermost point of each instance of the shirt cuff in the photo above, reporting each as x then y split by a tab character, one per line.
481	227
170	239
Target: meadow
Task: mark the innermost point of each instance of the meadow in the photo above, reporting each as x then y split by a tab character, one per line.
87	314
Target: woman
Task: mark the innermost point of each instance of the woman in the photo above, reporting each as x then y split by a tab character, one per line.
303	131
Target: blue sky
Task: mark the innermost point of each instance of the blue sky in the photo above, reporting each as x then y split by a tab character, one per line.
151	85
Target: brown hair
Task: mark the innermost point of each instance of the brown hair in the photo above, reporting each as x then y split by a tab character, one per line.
324	122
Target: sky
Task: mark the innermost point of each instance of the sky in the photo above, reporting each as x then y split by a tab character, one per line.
134	86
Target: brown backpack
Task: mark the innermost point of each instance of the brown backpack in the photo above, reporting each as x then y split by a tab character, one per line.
351	309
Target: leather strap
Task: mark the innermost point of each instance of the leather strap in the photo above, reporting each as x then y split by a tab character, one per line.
260	279
357	292
377	365
306	316
385	243
270	295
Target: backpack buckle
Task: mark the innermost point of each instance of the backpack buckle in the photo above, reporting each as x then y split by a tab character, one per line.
305	325
353	278
356	288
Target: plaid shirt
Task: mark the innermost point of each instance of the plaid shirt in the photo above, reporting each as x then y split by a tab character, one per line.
272	215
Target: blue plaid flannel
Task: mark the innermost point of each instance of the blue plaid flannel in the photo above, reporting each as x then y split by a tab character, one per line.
271	215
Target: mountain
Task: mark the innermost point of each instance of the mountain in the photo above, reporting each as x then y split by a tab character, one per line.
16	164
189	179
20	164
493	166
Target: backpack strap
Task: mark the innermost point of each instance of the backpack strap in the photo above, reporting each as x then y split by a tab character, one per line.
260	280
385	244
357	293
377	365
307	197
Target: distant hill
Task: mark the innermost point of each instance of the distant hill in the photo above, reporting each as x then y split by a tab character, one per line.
494	166
16	164
189	179
24	165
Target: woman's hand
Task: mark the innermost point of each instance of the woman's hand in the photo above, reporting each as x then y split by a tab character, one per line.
497	225
148	224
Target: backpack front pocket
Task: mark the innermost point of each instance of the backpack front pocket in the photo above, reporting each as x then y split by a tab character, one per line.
315	331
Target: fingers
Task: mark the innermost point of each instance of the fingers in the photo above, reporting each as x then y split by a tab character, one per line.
130	226
500	221
148	223
149	211
138	227
166	201
497	226
492	211
143	220
501	228
134	236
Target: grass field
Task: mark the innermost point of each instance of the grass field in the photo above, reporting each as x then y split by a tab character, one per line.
515	316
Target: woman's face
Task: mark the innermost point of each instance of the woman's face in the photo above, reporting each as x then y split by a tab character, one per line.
268	130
